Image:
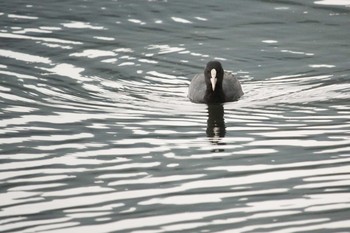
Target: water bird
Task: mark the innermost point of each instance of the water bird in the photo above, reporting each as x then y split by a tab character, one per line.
214	85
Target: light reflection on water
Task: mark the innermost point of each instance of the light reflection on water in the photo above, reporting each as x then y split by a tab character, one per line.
97	133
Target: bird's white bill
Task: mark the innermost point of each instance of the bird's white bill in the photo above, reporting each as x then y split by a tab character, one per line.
213	78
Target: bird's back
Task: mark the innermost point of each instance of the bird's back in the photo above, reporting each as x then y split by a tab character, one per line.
231	87
197	88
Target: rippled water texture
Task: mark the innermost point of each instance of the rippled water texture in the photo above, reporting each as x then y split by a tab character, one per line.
97	134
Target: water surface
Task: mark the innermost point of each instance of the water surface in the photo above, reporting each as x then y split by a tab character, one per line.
97	134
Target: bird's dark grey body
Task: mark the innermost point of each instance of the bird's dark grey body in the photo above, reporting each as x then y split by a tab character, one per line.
227	87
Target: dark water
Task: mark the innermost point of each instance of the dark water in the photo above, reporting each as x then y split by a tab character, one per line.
97	134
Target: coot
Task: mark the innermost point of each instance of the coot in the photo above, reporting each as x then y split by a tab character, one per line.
214	85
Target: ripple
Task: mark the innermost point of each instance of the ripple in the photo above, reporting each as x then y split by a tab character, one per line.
45	39
270	41
322	66
93	53
163	49
22	16
81	25
181	20
337	2
24	57
137	21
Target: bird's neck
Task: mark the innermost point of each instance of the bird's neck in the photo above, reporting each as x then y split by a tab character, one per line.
216	96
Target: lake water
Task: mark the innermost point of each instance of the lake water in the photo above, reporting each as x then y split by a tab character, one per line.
97	134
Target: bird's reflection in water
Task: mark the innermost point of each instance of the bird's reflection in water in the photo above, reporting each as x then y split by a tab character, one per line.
216	129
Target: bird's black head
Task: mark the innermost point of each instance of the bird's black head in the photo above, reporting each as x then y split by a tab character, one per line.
214	74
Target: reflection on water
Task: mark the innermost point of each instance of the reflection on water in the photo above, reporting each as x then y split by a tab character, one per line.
97	134
216	129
